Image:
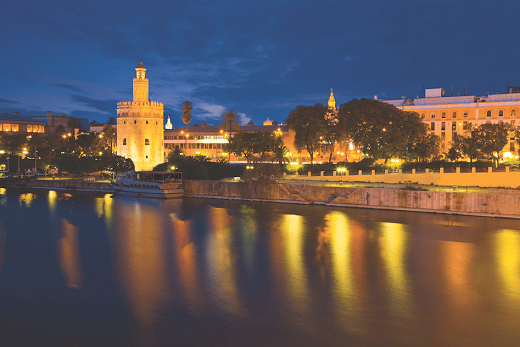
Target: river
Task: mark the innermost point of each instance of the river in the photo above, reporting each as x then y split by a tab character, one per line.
81	269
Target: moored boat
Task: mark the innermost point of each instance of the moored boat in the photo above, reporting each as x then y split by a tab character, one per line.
150	184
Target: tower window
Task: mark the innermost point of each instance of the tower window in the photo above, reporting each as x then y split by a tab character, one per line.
124	142
465	114
124	122
135	122
146	122
146	142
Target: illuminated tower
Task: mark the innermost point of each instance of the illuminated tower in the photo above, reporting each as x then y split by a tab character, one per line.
140	134
332	101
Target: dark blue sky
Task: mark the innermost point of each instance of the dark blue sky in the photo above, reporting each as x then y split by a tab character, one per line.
260	58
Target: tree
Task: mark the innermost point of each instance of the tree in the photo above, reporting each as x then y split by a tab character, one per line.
249	144
119	164
307	122
493	138
379	129
186	113
428	147
230	121
110	136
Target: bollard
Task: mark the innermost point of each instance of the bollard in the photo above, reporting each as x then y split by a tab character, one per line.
400	171
322	173
441	170
297	174
427	171
373	172
457	169
473	170
386	172
284	174
334	173
309	174
507	168
413	171
490	169
360	173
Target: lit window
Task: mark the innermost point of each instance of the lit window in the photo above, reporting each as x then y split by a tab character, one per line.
146	142
423	116
124	142
501	113
29	128
488	113
443	115
454	115
513	113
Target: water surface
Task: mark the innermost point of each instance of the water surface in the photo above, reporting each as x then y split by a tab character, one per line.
84	270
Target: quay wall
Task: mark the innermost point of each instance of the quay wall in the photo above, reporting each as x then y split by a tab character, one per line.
481	204
462	179
67	184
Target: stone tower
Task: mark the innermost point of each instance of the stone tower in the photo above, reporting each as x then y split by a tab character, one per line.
140	134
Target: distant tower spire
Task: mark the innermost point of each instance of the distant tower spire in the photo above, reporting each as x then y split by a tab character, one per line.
332	101
168	124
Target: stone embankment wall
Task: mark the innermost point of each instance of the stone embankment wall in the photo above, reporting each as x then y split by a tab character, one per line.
485	204
68	184
462	179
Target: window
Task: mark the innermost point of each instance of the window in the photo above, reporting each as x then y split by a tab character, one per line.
513	122
501	113
29	128
454	126
433	116
124	122
146	142
465	114
146	122
443	115
135	122
512	146
454	115
423	116
15	127
443	126
513	113
433	126
7	127
124	142
488	113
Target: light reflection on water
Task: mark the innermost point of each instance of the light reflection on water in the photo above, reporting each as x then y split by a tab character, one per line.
203	272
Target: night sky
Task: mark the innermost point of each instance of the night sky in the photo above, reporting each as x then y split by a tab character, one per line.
259	58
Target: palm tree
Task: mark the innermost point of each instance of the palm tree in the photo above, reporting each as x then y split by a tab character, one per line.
186	118
230	120
110	135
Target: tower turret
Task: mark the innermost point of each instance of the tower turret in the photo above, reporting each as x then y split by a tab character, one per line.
332	101
140	84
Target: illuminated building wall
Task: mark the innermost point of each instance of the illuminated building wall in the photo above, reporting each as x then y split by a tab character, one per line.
140	126
446	116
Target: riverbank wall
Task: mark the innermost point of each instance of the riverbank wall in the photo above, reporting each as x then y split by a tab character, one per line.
501	204
67	184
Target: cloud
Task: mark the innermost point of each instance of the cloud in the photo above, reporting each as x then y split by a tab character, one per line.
5	101
211	111
68	87
244	119
104	106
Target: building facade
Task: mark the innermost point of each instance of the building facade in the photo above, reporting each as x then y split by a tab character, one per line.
446	116
140	126
15	124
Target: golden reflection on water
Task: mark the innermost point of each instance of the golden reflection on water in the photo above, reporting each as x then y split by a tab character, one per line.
248	228
53	198
104	208
457	258
69	259
394	246
186	260
343	264
139	250
221	261
26	199
3	191
2	241
292	229
507	247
